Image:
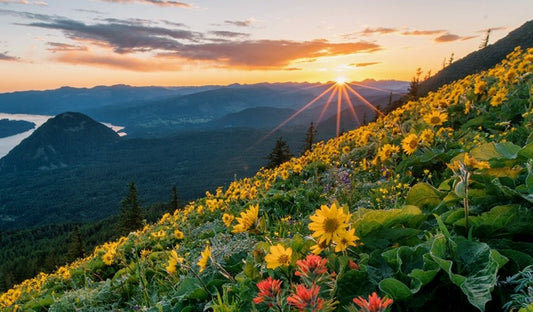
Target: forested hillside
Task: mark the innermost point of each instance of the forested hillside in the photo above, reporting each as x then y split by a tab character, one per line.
429	208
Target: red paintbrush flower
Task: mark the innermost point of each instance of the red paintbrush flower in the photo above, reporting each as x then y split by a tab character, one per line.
374	303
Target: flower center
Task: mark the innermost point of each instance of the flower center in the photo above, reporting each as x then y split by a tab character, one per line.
435	120
331	225
413	144
284	259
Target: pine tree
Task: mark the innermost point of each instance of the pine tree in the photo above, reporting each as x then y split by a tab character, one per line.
76	248
131	216
412	93
174	203
310	137
280	154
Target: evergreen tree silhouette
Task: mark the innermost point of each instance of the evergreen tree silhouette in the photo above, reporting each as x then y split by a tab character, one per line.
280	154
174	202
76	248
131	216
310	138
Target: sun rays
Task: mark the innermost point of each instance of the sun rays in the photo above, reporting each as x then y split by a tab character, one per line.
340	92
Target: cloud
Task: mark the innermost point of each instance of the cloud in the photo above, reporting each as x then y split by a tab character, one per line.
122	36
265	54
228	50
155	2
365	64
380	30
229	34
5	57
422	32
63	47
246	23
452	37
42	3
123	62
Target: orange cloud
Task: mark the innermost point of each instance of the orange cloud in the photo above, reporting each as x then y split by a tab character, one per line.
452	37
117	62
269	54
423	32
365	64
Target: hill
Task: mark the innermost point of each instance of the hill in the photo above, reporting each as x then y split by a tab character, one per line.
62	140
434	198
12	127
482	59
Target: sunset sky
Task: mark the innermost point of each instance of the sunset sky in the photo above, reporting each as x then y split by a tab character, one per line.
83	43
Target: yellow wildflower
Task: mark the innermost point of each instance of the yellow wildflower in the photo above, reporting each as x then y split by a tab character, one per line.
427	136
328	223
278	256
173	262
204	259
347	238
178	234
435	118
410	143
247	219
227	219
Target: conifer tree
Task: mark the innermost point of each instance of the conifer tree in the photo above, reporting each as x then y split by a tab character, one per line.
76	248
280	154
131	216
174	203
412	93
310	137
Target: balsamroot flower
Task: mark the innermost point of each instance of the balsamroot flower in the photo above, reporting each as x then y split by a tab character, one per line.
329	223
305	299
247	219
435	118
173	262
374	303
204	259
410	143
278	256
227	219
269	292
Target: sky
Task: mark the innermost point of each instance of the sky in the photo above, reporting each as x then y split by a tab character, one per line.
84	43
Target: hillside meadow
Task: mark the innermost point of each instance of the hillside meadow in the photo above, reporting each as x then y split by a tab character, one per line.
428	208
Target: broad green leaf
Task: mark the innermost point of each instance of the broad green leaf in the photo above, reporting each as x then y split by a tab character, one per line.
526	151
190	288
485	151
470	265
395	289
507	149
423	195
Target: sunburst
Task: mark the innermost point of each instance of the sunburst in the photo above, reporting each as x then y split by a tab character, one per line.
341	90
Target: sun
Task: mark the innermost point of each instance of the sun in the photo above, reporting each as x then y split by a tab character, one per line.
340	80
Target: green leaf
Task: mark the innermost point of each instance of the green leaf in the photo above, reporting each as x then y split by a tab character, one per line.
507	149
395	289
423	195
470	265
485	151
526	151
190	288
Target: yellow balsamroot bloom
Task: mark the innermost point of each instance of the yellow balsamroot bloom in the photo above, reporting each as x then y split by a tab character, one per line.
278	256
329	223
178	234
410	143
346	239
227	219
173	262
427	136
435	118
247	219
204	259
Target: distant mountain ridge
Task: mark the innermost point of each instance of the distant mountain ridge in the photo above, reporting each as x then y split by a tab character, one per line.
60	141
